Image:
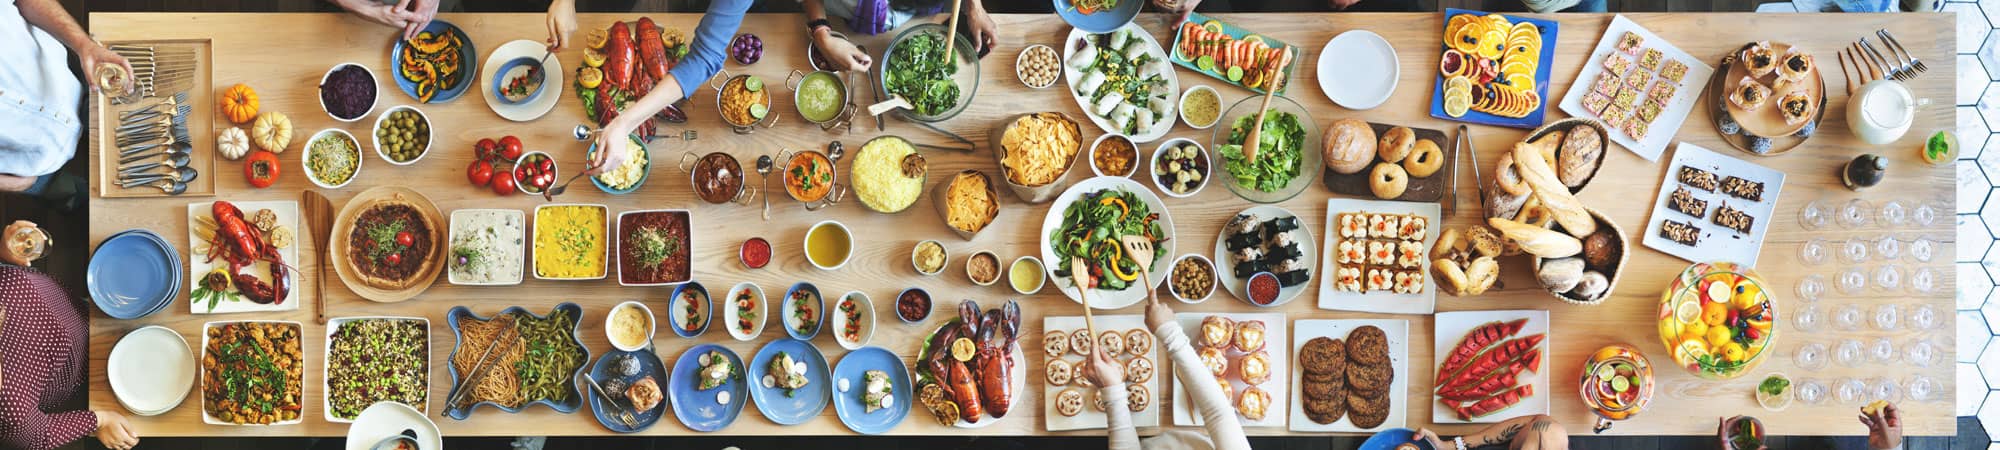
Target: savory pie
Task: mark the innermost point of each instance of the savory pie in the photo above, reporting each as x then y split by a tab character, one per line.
391	245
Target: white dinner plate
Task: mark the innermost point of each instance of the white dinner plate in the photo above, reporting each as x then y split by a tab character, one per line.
151	370
1358	69
1225	269
552	83
1103	299
386	419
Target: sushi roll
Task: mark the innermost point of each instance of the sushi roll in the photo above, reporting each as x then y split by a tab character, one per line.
1091	82
1282	240
1381	253
1084	57
1281	224
1244	270
1414	228
1241	241
1293	278
1244	224
1283	252
1245	255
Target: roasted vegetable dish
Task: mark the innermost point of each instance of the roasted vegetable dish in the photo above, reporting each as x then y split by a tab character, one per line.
252	373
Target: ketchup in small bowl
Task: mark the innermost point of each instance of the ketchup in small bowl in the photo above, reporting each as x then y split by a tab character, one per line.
756	253
913	305
1263	289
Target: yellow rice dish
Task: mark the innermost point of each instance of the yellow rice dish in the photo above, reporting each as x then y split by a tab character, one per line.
628	174
886	176
570	242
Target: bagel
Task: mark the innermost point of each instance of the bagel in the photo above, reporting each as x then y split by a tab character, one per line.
1388	181
1396	144
1508	177
1424	160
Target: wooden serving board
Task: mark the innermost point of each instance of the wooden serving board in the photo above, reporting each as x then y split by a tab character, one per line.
1767	121
1427	189
200	124
343	226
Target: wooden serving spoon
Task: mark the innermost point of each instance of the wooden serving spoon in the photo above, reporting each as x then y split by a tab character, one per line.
1076	271
951	33
1276	76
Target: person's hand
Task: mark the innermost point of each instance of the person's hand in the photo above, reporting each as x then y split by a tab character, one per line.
1425	434
979	29
1340	5
1181	7
114	431
562	22
1885	429
1157	314
841	51
420	13
1101	369
8	253
1722	433
94	54
611	151
393	16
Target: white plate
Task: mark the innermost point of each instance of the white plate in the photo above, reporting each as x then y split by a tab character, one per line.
520	234
1392	303
151	370
1717	242
552	83
211	420
1664	127
199	265
729	310
1090	418
1274	340
1102	299
1452	326
326	354
1071	77
1358	69
389	419
1398	332
1226	272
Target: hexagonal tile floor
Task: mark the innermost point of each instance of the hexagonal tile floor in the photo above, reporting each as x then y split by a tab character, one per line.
1978	210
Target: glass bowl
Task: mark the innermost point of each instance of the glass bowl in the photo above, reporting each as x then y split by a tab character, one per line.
1692	307
1309	161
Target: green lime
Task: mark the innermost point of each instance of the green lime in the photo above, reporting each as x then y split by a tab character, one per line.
1620	384
759	111
753	84
1235	74
1205	62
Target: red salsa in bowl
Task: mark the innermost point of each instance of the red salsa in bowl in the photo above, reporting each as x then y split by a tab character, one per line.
756	253
913	305
1262	289
653	247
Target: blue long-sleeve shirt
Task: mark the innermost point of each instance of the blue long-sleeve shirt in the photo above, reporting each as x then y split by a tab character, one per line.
705	56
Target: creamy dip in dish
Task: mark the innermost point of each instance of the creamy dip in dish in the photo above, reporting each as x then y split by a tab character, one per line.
486	246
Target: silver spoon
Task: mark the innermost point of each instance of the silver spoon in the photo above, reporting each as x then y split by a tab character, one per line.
173	161
764	164
553	191
178	150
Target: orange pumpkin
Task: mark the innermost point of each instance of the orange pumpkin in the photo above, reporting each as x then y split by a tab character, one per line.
239	104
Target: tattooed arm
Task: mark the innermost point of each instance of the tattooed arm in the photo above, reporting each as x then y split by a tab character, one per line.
1538	432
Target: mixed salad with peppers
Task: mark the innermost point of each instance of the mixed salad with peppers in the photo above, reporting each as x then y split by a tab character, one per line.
1091	229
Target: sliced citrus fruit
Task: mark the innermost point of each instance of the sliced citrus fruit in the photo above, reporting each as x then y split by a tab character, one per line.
593	57
589	77
961	349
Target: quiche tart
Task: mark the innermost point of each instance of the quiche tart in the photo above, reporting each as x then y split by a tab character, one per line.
391	245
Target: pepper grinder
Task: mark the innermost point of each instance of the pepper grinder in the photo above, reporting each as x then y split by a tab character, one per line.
1864	171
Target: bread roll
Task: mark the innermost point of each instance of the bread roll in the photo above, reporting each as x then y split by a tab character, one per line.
1591	287
1481	274
1561	274
1581	152
1450	277
1542	178
1396	144
1349	146
1536	240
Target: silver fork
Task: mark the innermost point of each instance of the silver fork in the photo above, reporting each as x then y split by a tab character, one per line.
1893	45
1895	72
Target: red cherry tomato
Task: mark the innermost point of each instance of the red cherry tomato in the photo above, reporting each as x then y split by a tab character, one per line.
485	148
503	183
395	258
404	238
510	148
480	172
546	164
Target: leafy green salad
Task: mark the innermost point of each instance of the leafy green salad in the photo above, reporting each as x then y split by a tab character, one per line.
1278	153
1091	229
919	72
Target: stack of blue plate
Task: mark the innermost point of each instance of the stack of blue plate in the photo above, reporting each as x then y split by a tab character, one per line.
134	274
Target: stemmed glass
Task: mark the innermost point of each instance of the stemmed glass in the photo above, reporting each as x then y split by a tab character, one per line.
1882	351
1923	317
1888	248
1850	391
1854	251
1855	214
1888	278
1923	389
1921	353
1849	353
1813	215
1810	357
1814	252
1809	318
1894	214
1851	281
1885	389
1924	280
1811	287
1926	213
1811	391
1923	249
1886	316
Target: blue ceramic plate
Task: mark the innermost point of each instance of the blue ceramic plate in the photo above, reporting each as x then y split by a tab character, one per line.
703	410
803	403
1100	21
468	69
848	404
1544	65
786	309
501	78
603	372
1390	438
458	313
706	306
644	172
134	274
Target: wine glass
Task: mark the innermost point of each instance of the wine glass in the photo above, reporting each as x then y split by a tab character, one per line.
1854	251
1882	351
1926	213
1811	287
1813	215
1921	353
1924	280
1923	249
1923	317
1851	281
1849	353
1885	389
1850	391
1886	317
1811	356
1811	391
1847	317
1894	213
1814	252
1855	214
1888	248
1888	278
1809	318
1922	389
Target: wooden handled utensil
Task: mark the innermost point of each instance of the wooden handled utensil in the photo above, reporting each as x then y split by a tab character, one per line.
1077	269
951	33
319	219
1250	142
1139	249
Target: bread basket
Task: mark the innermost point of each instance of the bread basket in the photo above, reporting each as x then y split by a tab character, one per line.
1604	144
1624	248
941	198
1044	192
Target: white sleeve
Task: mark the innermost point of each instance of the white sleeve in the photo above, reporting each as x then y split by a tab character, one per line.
1216	415
1118	418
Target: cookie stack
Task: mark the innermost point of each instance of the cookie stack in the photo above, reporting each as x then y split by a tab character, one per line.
1349	378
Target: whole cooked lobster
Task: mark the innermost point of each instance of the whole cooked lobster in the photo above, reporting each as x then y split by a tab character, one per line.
652	49
618	56
240	244
994	336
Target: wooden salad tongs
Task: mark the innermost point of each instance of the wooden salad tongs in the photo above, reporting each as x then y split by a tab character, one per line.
319	219
1277	76
1139	249
1076	271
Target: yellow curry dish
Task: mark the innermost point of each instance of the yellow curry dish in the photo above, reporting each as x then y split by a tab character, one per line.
570	242
888	174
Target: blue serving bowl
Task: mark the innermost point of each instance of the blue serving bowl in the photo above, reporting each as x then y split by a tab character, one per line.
468	67
706	309
1391	438
575	401
649	365
506	75
818	306
645	155
1101	21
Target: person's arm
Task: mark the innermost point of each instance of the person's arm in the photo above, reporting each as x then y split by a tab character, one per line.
392	16
1216	414
23	425
703	60
561	21
1500	433
49	16
983	33
1101	370
838	51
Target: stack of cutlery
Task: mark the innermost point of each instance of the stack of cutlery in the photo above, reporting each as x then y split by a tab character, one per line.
154	145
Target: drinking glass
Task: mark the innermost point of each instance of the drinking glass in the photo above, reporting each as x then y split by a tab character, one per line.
1921	353
1886	316
1815	252
1888	278
1847	317
1813	216
1854	251
1923	249
1811	391
1850	391
1894	213
1885	389
1851	281
1922	389
1810	357
1811	287
1924	280
1888	248
1923	317
1855	214
1882	351
1809	318
1849	353
1926	213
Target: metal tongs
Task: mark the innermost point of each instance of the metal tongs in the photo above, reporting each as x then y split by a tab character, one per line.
1462	149
480	369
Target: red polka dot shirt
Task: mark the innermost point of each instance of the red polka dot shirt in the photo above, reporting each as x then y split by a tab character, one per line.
42	345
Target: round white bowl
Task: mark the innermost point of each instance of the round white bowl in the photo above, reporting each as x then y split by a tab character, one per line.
919	269
372	76
652	325
828	225
1153	167
1099	143
1040	274
428	124
1211	273
1182	110
306	155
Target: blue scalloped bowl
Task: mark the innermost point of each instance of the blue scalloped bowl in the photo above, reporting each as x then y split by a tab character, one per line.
575	394
819	311
805	403
468	57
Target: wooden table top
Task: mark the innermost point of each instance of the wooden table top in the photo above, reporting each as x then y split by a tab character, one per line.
283	56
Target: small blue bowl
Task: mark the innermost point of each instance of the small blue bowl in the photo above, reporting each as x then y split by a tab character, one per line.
706	308
134	274
1101	21
818	305
505	75
644	173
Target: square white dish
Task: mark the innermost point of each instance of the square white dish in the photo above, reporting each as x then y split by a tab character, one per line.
1392	303
1398	332
1717	243
1451	327
1090	418
326	356
198	264
1278	386
1671	118
520	233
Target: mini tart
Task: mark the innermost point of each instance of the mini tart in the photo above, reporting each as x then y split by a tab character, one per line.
1759	59
1080	342
1750	94
1139	370
1137	397
1253	403
1060	372
1794	65
1111	342
1069	402
1055	344
1215	331
1217	362
1795	106
1228	391
1255	368
1249	335
1138	342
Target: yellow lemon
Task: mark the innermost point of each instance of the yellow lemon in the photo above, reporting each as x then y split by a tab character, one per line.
1746	295
1457	105
1695	331
1732	352
962	349
1693	349
593	57
1718	337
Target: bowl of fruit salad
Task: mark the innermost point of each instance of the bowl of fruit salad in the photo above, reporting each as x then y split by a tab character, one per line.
1715	319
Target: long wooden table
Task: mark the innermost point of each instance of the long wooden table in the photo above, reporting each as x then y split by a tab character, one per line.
283	56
